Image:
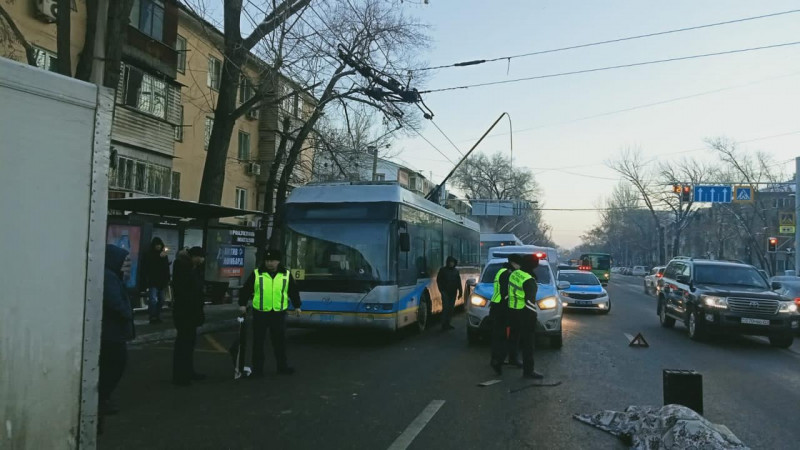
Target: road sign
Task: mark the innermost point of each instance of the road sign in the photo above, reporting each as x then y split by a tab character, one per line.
713	194
786	218
743	194
786	229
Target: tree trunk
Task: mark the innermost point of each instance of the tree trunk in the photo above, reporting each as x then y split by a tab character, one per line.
63	29
224	121
86	58
119	13
272	179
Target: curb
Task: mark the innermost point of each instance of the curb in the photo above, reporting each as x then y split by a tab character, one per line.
168	335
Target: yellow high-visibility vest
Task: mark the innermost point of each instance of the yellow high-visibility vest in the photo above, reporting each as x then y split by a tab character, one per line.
496	295
271	294
516	293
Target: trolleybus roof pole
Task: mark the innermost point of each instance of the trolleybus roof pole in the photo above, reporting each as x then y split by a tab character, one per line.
432	196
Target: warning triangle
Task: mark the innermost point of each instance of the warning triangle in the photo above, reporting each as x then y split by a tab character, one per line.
639	341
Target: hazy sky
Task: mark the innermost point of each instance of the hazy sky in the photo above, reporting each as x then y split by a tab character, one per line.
758	92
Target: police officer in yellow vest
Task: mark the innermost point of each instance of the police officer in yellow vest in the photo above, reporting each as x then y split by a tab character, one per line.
268	290
522	290
498	313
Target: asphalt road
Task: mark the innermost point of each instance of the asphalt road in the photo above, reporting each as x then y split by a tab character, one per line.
369	391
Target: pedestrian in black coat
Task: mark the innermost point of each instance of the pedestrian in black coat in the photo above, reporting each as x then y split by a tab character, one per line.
155	277
187	315
117	326
448	280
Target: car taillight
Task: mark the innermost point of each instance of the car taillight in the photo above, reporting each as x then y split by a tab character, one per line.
797	302
659	275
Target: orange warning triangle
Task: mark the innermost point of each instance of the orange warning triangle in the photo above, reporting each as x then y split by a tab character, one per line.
639	341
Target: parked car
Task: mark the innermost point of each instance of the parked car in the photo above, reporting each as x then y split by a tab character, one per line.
651	279
548	300
584	292
725	297
639	271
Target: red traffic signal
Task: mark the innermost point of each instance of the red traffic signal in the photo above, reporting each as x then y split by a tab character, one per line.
773	244
686	193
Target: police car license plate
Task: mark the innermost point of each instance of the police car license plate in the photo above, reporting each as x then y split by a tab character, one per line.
755	321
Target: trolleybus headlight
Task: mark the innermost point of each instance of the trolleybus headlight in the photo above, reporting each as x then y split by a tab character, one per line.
477	300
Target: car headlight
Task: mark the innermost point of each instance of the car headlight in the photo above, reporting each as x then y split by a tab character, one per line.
547	303
477	300
713	301
606	275
787	307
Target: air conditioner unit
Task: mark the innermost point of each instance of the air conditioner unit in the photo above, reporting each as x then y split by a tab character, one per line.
254	169
47	10
252	114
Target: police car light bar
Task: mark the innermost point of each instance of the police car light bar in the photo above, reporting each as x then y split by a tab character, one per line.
540	255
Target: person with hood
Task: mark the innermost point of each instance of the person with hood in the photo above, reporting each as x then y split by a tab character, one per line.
450	287
117	325
155	271
498	312
187	313
522	289
268	290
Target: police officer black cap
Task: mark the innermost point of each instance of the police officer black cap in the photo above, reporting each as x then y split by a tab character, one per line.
272	254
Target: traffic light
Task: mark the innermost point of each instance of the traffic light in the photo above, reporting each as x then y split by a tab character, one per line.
676	189
686	193
773	244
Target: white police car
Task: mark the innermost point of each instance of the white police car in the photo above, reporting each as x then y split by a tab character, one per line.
548	302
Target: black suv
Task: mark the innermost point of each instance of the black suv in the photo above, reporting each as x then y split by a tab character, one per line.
717	296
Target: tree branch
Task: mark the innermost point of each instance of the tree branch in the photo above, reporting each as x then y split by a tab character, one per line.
30	52
273	20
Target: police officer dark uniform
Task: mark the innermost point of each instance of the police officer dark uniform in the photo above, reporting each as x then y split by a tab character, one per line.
498	312
269	289
522	290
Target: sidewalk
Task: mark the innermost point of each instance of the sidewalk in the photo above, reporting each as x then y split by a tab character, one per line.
218	317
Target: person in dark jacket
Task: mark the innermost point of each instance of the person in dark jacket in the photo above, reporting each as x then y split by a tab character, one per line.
155	272
187	313
522	313
268	290
450	287
498	312
117	326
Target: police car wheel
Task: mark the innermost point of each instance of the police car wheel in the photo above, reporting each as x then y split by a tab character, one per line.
557	341
472	336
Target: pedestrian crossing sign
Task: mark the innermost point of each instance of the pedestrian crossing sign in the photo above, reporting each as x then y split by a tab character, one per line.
786	218
743	194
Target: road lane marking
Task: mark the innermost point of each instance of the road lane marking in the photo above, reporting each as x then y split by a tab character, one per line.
214	343
407	437
489	383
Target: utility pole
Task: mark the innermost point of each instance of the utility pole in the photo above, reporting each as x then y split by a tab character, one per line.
374	151
99	46
796	211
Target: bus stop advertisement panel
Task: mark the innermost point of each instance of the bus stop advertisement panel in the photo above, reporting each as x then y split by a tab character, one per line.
230	256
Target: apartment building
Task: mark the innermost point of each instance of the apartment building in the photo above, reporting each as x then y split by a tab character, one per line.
170	74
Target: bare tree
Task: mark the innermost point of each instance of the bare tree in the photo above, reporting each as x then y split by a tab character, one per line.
684	172
10	33
633	167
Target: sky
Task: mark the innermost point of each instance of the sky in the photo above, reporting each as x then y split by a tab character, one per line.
749	97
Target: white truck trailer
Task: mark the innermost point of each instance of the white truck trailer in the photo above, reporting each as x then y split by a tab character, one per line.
54	162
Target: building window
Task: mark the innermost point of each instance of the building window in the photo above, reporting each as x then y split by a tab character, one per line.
244	146
214	72
241	198
144	177
289	103
180	48
46	60
245	90
179	127
380	177
145	92
175	185
148	17
209	126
